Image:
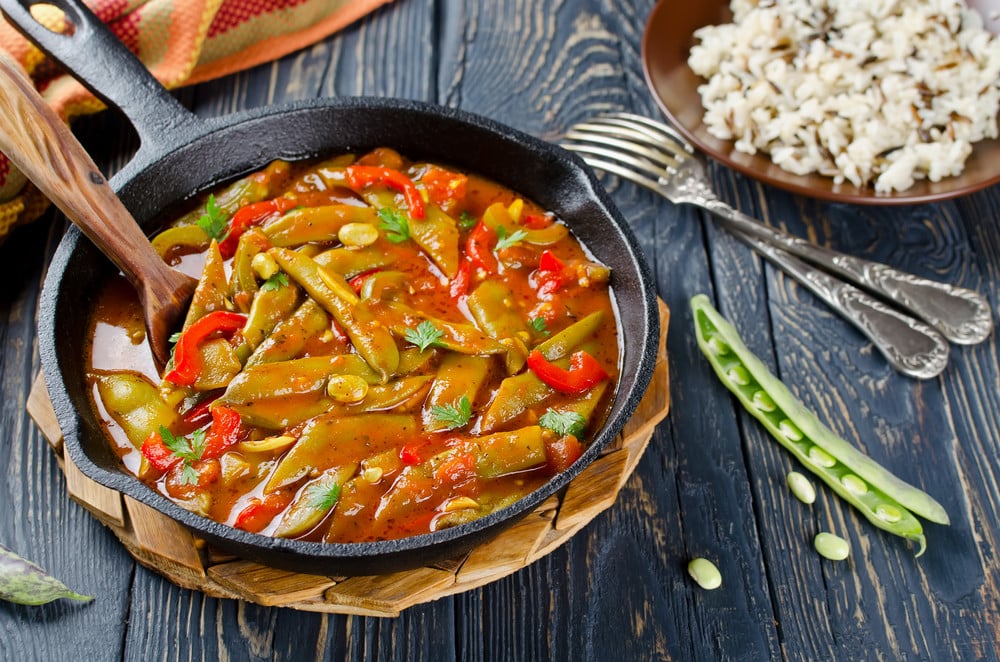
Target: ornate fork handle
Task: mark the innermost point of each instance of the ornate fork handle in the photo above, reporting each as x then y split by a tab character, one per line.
911	346
961	315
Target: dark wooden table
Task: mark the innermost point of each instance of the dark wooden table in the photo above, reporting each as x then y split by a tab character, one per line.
711	483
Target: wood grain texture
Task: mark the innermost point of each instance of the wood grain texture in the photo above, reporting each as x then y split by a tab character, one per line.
711	482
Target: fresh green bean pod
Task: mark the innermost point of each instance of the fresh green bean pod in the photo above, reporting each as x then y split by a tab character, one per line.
491	305
210	293
884	499
370	337
289	337
328	439
315	224
458	375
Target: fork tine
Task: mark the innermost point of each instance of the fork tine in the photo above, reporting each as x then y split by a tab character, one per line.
649	158
615	169
657	128
639	129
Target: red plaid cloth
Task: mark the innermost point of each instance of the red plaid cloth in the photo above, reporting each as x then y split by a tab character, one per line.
181	42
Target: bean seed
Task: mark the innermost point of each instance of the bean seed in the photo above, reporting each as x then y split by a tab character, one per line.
821	457
705	573
763	401
264	265
739	375
347	388
831	546
790	430
854	484
801	487
358	235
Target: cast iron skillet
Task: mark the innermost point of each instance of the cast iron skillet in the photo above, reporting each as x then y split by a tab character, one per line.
181	155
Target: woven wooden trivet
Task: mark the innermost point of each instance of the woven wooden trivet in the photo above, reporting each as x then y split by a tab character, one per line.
168	548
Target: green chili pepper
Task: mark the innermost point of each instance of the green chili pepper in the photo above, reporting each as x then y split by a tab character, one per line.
884	499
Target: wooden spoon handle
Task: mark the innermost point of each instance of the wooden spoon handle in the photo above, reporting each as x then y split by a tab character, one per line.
47	152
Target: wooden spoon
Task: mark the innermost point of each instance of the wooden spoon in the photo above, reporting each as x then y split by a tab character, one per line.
42	146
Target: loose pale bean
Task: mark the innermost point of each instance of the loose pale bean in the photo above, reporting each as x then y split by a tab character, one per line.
831	546
705	574
801	487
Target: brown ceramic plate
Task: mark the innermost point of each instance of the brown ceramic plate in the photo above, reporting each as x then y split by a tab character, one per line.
665	45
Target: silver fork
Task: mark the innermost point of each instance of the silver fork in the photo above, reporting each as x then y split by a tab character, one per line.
655	156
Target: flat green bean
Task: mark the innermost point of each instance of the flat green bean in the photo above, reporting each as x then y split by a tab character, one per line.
369	336
315	224
491	305
289	337
458	375
210	293
884	499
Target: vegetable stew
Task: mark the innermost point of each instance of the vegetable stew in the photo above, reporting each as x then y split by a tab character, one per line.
376	348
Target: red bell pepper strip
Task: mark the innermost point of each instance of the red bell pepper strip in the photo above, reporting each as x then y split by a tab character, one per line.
584	371
226	430
360	176
201	413
250	215
479	248
154	450
459	285
551	274
187	359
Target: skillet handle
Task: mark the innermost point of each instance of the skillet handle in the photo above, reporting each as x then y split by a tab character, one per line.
104	65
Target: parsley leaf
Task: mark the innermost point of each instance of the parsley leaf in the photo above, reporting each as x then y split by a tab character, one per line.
189	450
425	335
453	416
507	240
213	221
322	497
467	221
275	282
539	326
397	228
563	422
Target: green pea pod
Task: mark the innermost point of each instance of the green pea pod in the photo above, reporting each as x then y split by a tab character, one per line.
351	262
135	404
210	293
491	305
315	224
457	376
328	441
289	338
370	337
884	499
314	502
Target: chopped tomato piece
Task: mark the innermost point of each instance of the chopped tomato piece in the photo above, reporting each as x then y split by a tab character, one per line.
154	450
561	452
444	188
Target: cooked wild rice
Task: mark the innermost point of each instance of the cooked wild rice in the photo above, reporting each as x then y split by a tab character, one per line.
879	92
